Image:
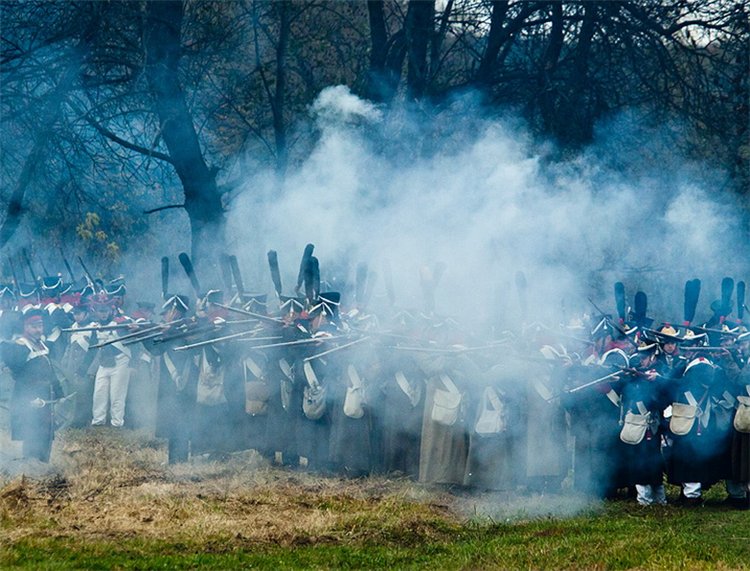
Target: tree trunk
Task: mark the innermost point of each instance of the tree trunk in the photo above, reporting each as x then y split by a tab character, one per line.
279	127
386	56
495	39
202	199
581	106
549	93
419	30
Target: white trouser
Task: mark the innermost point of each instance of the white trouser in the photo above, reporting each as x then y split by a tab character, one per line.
649	495
691	489
110	391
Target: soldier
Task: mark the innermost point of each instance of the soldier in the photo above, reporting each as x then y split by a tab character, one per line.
643	400
741	438
177	380
113	370
140	409
35	389
76	362
698	458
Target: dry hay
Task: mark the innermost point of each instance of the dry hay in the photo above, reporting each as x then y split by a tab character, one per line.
110	484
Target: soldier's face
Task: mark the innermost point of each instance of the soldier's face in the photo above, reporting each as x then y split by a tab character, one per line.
102	314
33	329
80	316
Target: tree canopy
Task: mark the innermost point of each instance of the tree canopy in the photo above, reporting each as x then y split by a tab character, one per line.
124	110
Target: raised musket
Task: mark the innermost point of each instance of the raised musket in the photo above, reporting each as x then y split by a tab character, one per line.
339	348
719	331
273	265
164	277
710	349
34	275
306	254
106	327
301	342
208	328
187	265
613	324
227	338
67	266
131	335
14	275
237	275
592	383
86	271
190	331
257	316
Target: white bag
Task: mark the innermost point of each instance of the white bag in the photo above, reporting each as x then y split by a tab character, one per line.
634	428
742	416
257	392
446	404
355	395
683	418
491	414
210	384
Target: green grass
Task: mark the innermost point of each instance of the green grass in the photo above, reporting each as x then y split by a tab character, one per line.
621	536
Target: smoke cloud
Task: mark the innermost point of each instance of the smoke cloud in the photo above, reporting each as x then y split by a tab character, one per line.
412	187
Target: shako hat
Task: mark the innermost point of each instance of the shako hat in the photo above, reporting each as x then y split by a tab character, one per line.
177	302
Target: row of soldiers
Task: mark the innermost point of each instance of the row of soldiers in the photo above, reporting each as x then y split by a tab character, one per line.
615	401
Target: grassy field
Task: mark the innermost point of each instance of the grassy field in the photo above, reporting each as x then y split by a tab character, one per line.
110	503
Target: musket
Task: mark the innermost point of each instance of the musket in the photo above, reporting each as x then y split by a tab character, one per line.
28	265
226	272
257	316
41	403
14	275
187	333
592	383
226	338
235	268
67	266
710	349
339	348
187	265
164	277
148	331
156	334
719	331
300	342
44	268
130	335
613	324
86	271
104	327
303	267
273	265
636	373
142	338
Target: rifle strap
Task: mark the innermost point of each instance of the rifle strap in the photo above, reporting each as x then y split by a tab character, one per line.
613	397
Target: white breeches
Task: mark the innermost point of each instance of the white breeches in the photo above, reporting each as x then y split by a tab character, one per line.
110	391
